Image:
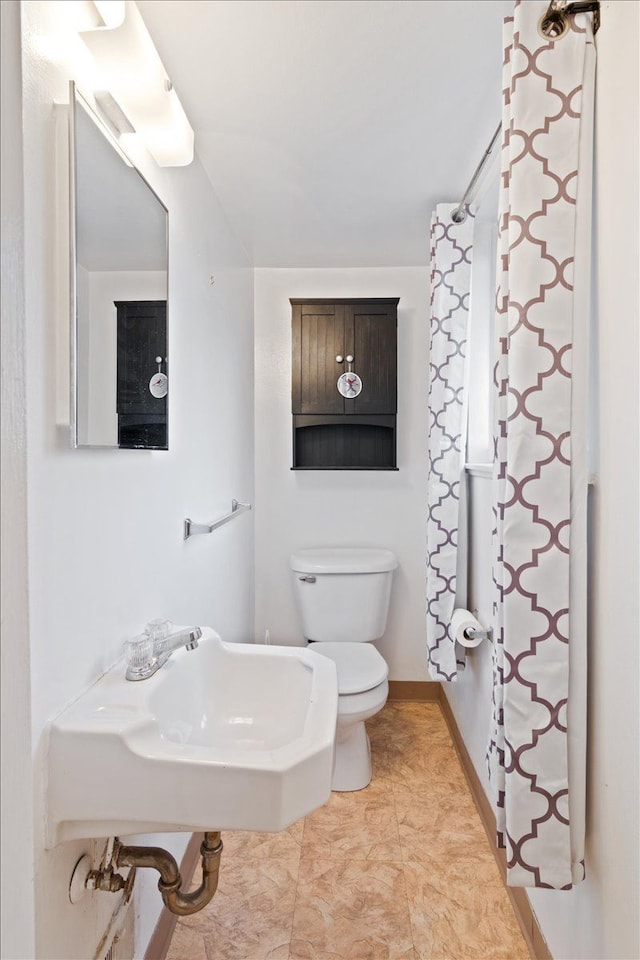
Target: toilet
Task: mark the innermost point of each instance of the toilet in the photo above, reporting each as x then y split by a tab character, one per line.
342	595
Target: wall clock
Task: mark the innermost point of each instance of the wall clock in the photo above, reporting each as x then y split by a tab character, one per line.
159	383
349	385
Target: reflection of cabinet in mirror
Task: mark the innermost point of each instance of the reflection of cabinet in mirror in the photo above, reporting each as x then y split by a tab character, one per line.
333	430
142	338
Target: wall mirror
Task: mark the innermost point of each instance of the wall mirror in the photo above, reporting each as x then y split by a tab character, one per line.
120	359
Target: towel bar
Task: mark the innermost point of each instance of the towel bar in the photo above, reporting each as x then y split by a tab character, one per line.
191	528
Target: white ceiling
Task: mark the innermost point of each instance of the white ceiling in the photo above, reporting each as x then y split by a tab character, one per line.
330	128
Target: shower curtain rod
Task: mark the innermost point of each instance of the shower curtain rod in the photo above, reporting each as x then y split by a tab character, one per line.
553	25
458	215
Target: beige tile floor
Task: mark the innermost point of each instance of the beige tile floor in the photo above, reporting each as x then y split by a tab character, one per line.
400	870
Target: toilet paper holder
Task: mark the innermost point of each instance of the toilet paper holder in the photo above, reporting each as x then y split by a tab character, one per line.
483	634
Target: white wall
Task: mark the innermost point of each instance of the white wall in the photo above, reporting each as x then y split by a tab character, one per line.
598	919
331	508
16	783
105	526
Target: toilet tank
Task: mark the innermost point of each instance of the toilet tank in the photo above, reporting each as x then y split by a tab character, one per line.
342	593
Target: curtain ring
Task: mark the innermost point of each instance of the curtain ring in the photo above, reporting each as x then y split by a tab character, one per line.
553	24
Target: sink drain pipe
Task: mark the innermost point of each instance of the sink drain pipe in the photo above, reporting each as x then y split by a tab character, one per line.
170	880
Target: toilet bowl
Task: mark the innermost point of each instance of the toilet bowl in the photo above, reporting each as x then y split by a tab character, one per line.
342	595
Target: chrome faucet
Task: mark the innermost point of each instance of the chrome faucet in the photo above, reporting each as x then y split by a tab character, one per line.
145	655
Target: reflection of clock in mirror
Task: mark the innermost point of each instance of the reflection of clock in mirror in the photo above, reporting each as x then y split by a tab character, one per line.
158	385
349	385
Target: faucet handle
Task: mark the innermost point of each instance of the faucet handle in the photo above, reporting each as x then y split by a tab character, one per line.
160	633
159	629
139	652
194	635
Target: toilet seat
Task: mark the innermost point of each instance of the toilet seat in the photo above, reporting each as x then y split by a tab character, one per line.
359	665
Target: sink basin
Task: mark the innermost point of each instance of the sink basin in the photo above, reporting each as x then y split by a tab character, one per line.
228	736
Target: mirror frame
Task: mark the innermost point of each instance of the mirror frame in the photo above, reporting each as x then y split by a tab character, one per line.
78	101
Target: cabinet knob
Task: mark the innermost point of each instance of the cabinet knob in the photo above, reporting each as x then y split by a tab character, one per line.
349	359
339	358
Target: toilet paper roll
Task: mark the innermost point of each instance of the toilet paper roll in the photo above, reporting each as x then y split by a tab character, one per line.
461	621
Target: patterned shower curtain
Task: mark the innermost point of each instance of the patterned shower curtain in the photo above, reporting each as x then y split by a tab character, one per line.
537	748
451	249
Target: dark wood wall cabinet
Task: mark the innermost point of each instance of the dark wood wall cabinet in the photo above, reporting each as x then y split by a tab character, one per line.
142	337
332	431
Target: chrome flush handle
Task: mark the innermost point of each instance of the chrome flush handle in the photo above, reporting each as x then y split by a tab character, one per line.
307	579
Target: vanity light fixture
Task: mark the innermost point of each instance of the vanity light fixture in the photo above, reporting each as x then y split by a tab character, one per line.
111	109
110	12
132	72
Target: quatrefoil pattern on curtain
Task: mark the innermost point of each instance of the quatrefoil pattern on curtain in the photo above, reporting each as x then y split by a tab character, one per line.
536	752
451	252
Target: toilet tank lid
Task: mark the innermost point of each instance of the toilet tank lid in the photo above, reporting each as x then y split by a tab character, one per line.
359	666
343	560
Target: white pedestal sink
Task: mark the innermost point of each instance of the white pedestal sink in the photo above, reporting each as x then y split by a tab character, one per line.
224	737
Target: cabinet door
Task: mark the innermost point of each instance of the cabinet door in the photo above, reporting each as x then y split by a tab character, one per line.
142	336
318	332
374	350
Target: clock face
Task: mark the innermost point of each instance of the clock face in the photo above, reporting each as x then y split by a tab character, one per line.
349	385
158	385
